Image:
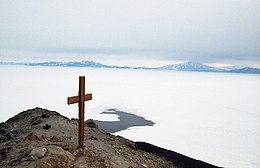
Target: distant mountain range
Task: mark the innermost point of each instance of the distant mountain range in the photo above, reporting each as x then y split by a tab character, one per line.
187	66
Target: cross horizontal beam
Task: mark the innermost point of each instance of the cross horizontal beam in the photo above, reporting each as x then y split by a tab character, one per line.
75	99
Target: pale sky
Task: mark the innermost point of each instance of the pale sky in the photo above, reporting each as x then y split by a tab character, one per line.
151	31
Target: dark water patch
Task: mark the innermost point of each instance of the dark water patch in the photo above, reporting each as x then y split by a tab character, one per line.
126	120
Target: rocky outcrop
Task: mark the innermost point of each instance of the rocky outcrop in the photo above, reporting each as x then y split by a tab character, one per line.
25	143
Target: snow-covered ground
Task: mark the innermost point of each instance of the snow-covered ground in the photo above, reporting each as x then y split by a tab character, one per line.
214	117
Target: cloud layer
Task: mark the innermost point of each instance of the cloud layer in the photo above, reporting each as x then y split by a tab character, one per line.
202	30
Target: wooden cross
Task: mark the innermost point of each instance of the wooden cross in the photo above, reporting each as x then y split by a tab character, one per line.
80	99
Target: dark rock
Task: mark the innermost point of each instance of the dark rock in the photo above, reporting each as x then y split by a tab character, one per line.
2	131
46	126
91	123
8	136
45	115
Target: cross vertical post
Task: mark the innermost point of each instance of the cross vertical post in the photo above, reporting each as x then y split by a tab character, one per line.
80	99
81	110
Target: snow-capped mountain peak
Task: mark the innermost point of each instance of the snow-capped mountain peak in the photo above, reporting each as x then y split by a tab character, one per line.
190	66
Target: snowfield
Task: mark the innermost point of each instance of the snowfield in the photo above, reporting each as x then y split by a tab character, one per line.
213	117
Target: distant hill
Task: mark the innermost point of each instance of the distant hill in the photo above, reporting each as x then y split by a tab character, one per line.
187	66
70	64
233	67
246	70
90	64
191	66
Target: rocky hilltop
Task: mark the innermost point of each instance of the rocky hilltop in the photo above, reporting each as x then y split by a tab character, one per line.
42	138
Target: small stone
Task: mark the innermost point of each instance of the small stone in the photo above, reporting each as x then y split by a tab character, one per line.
38	152
45	115
47	126
144	165
91	123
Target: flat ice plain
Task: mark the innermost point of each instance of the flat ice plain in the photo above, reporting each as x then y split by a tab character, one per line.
214	117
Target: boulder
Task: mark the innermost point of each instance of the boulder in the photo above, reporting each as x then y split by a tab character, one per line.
91	123
38	152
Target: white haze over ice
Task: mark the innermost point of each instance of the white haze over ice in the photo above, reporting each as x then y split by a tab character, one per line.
214	117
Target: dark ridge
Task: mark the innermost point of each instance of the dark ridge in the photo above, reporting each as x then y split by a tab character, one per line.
179	160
